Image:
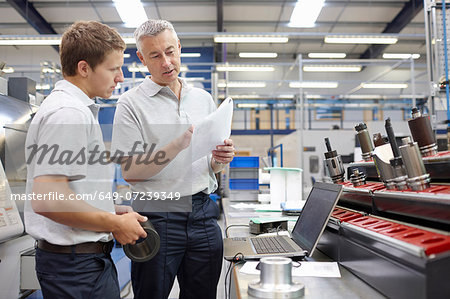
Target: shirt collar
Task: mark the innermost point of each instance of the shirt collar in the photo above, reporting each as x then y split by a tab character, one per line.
78	94
75	91
153	88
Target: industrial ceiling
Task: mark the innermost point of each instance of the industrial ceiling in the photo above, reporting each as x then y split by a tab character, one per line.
197	21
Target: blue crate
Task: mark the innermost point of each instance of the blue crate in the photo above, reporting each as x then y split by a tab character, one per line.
245	162
244	173
244	184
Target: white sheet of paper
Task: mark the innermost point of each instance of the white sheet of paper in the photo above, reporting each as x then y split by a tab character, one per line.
316	269
213	130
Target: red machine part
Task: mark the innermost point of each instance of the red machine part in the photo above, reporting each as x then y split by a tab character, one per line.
431	242
365	221
373	186
442	154
399	229
345	215
434	189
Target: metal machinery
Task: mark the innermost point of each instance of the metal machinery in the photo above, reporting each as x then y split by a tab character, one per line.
392	227
15	115
392	224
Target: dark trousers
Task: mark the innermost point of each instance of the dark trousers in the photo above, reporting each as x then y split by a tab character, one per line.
191	249
78	276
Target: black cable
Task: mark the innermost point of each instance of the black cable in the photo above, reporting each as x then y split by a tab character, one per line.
226	229
229	284
278	228
226	276
237	259
298	264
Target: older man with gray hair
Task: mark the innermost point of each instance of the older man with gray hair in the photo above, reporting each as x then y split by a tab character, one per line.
191	241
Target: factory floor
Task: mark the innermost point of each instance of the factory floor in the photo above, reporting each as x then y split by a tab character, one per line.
127	291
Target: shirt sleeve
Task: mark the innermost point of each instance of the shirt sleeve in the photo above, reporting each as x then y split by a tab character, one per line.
61	145
127	138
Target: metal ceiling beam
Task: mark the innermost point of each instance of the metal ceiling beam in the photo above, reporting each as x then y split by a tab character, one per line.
404	17
219	48
32	16
219	4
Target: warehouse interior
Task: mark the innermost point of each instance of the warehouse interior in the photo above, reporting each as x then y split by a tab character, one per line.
310	94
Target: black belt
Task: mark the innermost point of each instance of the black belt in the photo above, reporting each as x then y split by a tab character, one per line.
88	247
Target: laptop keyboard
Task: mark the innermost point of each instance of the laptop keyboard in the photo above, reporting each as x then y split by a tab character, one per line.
271	245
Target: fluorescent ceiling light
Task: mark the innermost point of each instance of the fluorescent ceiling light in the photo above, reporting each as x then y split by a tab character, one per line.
311	84
384	85
284	105
327	55
244	68
251	105
253	84
8	70
192	55
250	39
257	55
194	78
131	12
137	68
42	86
332	68
126	55
30	41
313	96
305	13
43	40
360	40
245	96
134	68
285	96
50	70
400	56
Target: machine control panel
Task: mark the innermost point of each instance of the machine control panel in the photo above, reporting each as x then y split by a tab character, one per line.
10	222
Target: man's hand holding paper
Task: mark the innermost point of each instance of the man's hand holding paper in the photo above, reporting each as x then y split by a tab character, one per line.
223	154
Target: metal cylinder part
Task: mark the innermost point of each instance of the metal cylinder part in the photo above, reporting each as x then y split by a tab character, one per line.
448	137
381	156
357	178
144	249
422	133
276	280
399	173
385	172
336	169
334	164
418	178
391	135
364	141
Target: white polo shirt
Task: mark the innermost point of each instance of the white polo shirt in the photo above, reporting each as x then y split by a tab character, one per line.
152	114
67	120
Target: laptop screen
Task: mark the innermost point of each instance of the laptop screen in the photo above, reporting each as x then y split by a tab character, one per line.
315	214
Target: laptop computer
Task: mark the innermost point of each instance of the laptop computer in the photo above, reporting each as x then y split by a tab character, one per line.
304	237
